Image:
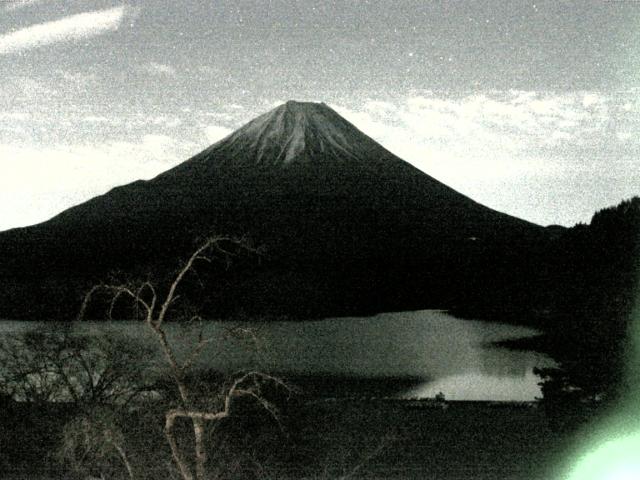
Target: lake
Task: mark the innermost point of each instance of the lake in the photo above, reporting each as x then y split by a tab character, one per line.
443	353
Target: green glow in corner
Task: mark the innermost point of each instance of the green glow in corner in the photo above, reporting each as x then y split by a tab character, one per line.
613	460
615	443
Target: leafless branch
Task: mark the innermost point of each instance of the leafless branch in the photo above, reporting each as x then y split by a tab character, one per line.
195	353
384	444
156	311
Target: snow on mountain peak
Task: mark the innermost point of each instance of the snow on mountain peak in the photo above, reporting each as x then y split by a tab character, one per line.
296	131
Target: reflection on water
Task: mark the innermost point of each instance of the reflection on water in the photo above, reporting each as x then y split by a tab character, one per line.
499	374
476	386
450	354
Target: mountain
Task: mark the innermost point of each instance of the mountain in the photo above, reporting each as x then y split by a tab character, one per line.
349	228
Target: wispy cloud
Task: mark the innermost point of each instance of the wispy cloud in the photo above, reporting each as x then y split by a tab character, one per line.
45	180
216	132
155	68
548	157
498	132
68	29
17	4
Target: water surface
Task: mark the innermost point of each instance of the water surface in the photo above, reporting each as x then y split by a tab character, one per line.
450	355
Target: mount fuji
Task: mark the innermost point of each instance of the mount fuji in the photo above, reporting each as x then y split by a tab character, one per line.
348	227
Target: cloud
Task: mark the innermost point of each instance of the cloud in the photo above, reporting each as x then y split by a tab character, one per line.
44	180
17	4
69	29
155	68
99	119
489	125
157	146
550	157
215	133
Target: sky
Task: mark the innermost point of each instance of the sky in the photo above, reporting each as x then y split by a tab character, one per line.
531	108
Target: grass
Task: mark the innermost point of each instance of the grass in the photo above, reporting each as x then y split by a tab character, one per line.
346	438
467	440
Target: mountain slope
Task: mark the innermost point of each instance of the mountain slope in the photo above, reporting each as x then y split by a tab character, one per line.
348	226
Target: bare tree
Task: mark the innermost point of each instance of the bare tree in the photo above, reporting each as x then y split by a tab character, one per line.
153	307
92	440
97	378
55	364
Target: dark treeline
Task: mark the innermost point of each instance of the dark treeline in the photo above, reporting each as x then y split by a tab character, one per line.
588	287
595	291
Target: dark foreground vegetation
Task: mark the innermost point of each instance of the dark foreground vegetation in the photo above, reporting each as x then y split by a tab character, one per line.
315	439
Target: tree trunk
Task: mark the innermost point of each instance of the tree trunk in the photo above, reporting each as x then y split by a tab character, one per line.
200	449
179	460
125	460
